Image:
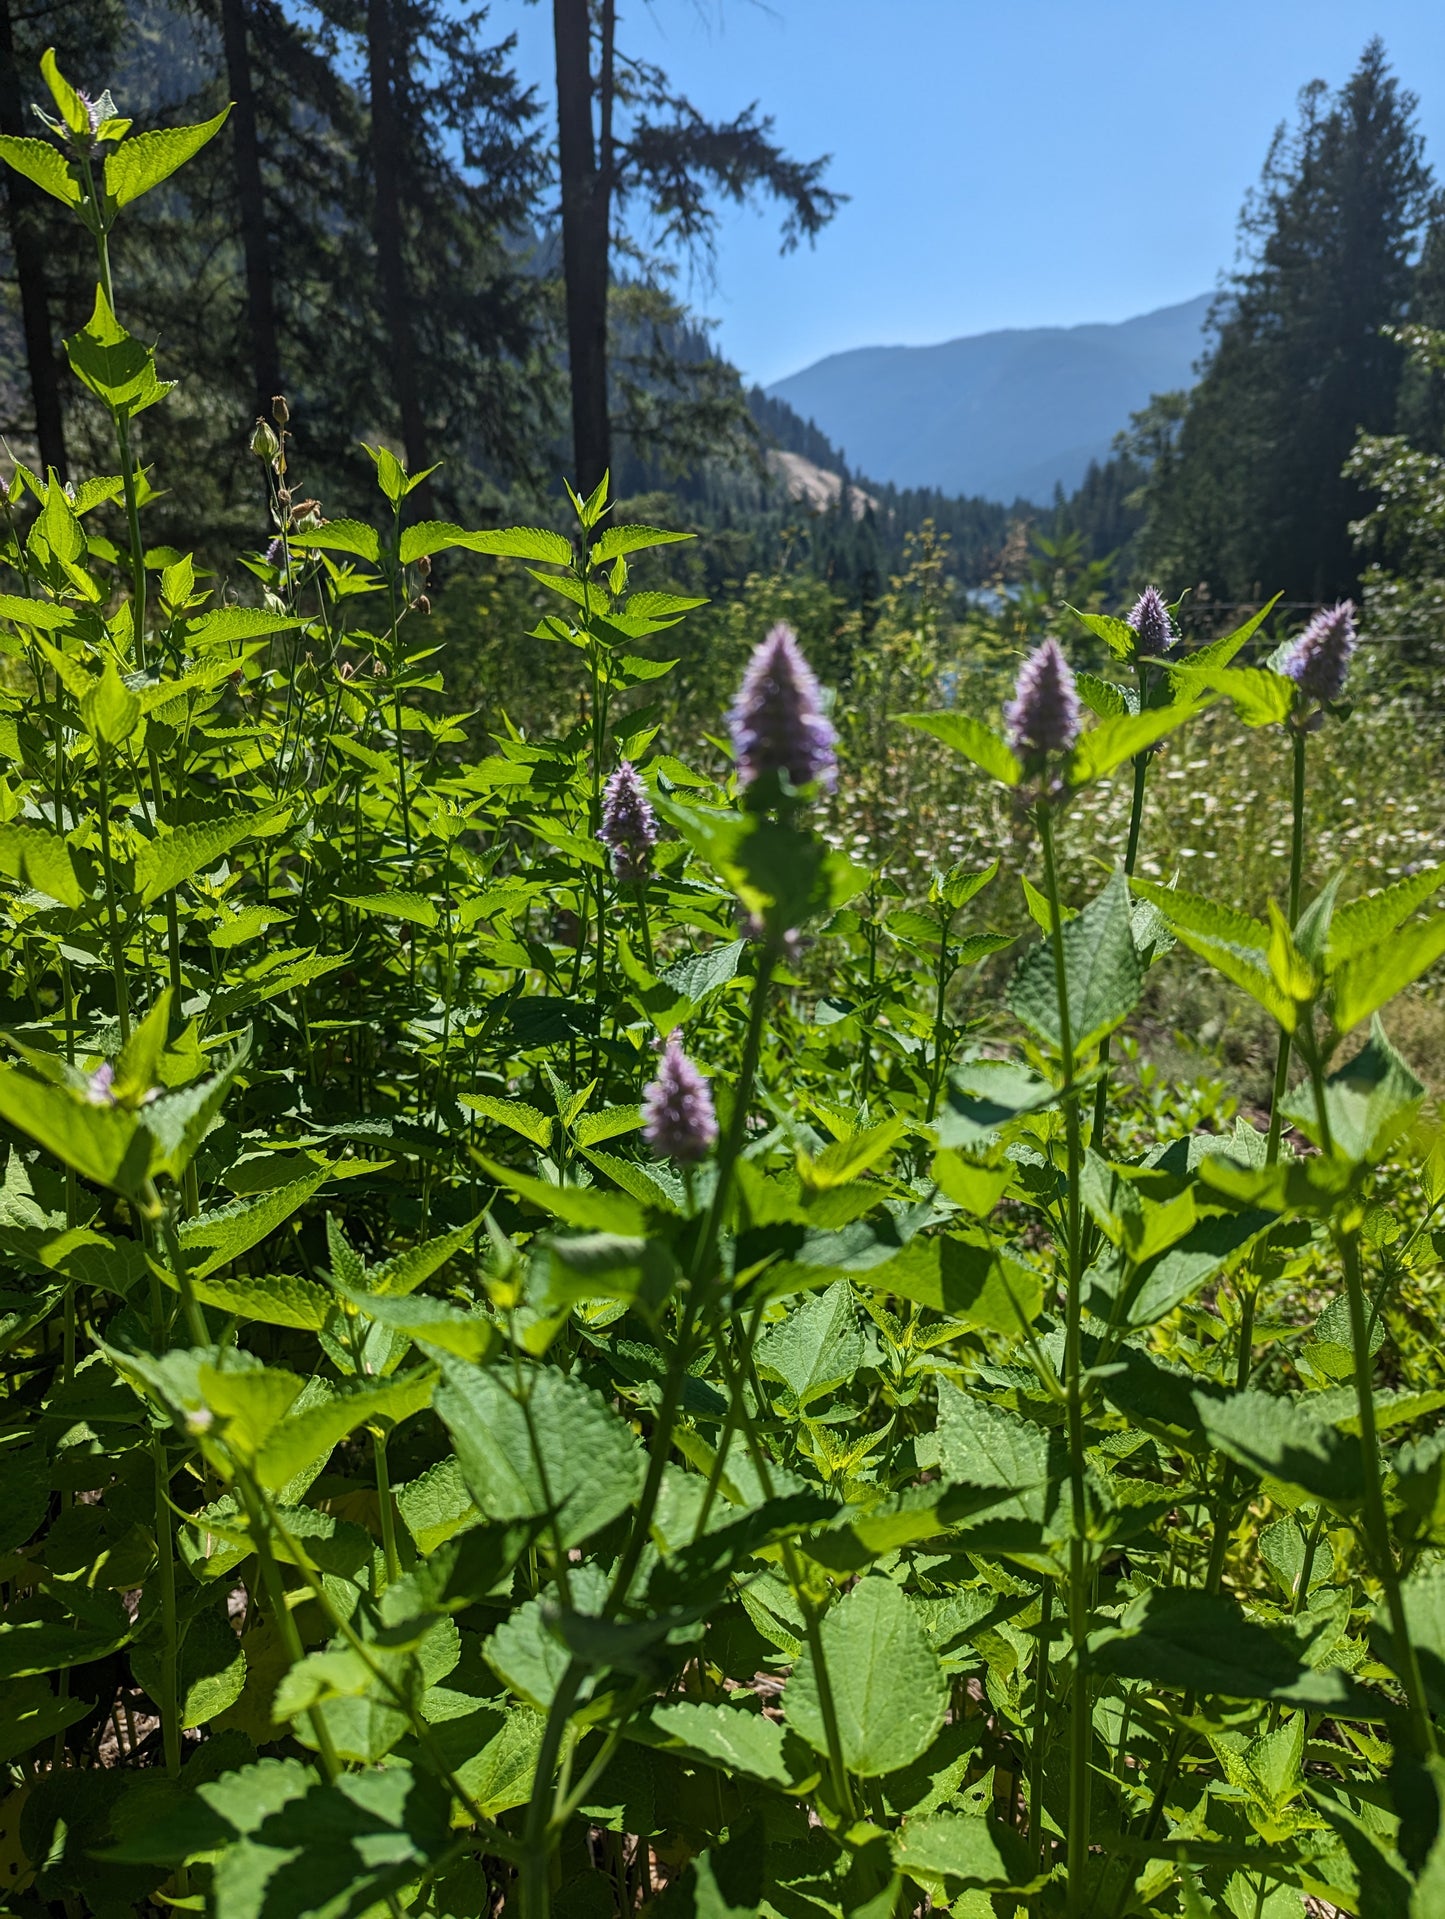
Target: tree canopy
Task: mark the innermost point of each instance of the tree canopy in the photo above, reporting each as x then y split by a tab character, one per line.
1252	488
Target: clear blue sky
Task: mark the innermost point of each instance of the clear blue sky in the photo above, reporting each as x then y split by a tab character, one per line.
1010	162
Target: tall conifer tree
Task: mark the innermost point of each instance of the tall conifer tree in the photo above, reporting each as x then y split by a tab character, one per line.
1254	500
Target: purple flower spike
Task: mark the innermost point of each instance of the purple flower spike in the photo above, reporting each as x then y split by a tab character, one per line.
678	1120
777	721
629	825
1150	620
1319	660
1043	715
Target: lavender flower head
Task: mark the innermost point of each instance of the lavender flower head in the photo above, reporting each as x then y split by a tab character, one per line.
1150	620
1043	715
1319	660
629	825
777	721
678	1120
98	1086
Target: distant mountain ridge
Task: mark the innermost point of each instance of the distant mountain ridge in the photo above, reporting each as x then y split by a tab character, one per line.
1006	415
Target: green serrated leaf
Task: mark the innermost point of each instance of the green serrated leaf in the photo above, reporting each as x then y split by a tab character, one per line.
110	710
216	1238
339	1849
817	1348
1365	922
515	1114
40	859
522	543
1101	969
1204	1642
1120	638
1374	975
212	1669
970	1280
301	1438
145	159
1104	698
268	1299
973	740
847	1158
1274	1438
430	1322
1260	697
889	1688
699	974
116	367
630	539
983	1445
162	863
727	1736
547	1445
413	907
969	1852
43	163
1121	737
404	1272
343	536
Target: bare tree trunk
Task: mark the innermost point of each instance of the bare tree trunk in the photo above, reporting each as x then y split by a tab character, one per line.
586	228
255	242
387	228
28	243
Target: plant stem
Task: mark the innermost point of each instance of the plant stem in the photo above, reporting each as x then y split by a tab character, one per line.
1377	1524
644	920
940	1019
1038	1750
1131	854
388	1509
169	1701
1307	1564
497	1841
120	417
1422	1729
175	1254
117	945
1296	875
1077	1841
736	1134
538	1833
281	1613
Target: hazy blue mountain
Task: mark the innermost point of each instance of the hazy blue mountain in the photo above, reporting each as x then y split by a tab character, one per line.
1005	415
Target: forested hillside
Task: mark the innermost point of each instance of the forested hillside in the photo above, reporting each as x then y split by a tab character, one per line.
435	311
1011	414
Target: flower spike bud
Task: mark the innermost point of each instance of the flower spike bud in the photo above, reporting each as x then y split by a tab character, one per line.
678	1120
629	825
1043	715
1150	620
777	721
1319	660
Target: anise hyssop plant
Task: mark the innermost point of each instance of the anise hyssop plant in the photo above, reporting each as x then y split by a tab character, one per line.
553	1364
